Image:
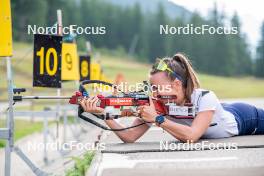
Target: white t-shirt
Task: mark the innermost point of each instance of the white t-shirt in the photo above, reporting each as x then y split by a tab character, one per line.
226	123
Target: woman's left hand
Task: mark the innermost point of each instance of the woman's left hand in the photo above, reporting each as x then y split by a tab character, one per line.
148	112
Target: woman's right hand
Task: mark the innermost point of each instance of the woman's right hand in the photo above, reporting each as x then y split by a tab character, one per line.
89	105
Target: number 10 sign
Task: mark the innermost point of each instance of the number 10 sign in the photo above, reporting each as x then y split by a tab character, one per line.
47	61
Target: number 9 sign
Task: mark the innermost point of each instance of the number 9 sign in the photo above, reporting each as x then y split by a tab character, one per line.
70	62
47	61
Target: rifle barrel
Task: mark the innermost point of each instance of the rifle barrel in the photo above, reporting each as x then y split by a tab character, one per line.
45	97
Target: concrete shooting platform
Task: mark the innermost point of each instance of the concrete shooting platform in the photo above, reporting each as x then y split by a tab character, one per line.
146	157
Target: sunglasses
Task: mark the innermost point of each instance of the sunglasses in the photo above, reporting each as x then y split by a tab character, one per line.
162	66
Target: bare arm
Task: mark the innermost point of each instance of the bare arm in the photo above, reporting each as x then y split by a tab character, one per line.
129	135
182	132
189	133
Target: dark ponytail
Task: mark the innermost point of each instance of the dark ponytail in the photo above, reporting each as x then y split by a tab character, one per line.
192	81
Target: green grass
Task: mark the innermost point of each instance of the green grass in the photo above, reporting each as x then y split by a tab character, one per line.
81	165
133	71
23	128
233	87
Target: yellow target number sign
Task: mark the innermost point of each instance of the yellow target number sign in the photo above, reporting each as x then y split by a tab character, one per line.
70	62
47	61
5	28
85	68
95	71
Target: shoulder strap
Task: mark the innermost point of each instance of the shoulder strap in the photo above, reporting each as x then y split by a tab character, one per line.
204	92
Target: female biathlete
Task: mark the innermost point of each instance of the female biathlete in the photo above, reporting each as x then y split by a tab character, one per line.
230	119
